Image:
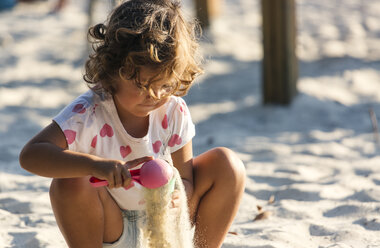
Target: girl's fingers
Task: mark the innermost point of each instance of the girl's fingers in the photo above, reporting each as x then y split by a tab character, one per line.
118	181
114	178
118	175
126	176
133	163
175	194
111	183
175	203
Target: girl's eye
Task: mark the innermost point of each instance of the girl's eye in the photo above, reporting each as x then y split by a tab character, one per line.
167	87
139	85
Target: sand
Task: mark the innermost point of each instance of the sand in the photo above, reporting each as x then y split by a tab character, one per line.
313	167
166	227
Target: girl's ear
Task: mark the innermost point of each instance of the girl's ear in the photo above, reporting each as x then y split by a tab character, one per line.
129	72
123	75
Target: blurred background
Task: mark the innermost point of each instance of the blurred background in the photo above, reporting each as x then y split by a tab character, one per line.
338	47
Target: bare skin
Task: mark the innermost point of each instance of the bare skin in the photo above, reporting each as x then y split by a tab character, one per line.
219	179
87	216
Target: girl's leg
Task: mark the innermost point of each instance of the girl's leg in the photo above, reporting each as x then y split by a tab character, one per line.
219	179
86	216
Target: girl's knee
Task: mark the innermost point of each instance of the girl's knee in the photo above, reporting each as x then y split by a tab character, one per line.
226	166
227	160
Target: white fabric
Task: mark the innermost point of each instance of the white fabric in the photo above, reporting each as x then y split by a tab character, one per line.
91	125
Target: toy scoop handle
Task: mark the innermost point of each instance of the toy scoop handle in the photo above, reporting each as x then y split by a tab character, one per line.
96	182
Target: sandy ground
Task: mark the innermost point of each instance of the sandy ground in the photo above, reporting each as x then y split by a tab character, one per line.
313	167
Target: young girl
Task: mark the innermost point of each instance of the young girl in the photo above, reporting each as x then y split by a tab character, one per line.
145	58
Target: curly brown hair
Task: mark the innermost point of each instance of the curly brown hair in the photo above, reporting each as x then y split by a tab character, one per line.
139	33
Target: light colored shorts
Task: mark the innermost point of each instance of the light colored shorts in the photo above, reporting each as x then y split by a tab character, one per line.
130	238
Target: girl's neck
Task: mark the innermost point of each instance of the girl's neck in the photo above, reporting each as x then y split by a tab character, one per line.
135	126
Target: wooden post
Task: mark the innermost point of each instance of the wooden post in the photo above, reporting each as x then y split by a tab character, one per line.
280	65
206	10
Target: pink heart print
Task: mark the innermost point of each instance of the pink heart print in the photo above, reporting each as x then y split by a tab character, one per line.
94	108
182	108
106	130
157	146
79	108
94	140
165	122
175	140
70	136
125	151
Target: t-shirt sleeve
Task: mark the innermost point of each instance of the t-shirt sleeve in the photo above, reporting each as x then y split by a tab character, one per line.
73	121
182	126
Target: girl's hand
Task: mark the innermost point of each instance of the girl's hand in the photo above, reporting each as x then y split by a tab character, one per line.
116	172
176	201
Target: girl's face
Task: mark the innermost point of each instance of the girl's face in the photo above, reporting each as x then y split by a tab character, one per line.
133	100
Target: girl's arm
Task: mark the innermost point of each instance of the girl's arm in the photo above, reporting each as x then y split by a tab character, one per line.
183	161
46	155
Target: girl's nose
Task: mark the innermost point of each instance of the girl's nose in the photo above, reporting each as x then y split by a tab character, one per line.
159	93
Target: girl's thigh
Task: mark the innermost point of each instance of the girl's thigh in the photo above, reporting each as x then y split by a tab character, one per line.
79	208
113	218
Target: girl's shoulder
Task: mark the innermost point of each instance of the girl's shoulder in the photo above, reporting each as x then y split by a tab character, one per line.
174	104
177	100
81	106
174	111
82	119
175	123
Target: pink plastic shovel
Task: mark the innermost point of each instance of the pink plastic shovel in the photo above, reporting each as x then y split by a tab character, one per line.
152	174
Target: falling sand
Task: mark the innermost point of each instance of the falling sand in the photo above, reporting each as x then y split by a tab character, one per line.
166	227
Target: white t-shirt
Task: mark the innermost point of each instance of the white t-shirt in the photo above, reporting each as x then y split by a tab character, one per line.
91	125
